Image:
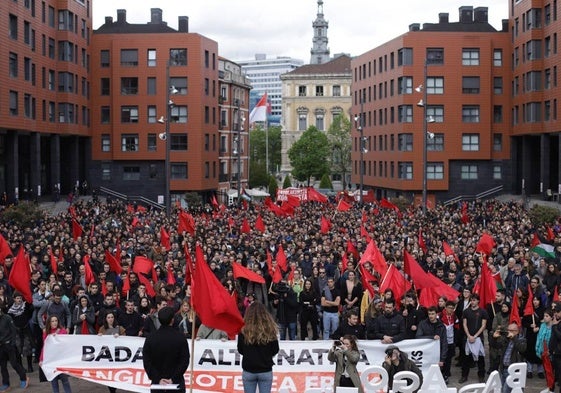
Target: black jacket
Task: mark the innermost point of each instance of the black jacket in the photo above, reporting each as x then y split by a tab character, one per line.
393	326
426	329
166	355
555	340
257	358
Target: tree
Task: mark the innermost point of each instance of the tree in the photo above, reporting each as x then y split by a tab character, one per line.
325	182
273	186
287	182
257	138
340	142
257	174
309	155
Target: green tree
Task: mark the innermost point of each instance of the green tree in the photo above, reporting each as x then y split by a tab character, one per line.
340	142
24	214
257	174
273	186
257	139
309	155
325	182
287	182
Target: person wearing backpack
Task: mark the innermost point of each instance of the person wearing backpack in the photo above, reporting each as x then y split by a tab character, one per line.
55	306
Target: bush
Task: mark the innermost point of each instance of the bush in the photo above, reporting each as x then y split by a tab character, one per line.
541	215
273	187
287	183
194	200
325	182
24	214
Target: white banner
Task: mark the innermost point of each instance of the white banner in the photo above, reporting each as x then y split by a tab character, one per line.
298	366
300	193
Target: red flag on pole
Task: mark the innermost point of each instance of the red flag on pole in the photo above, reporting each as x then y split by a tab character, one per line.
343	205
164	238
556	294
395	281
548	367
529	308
422	243
186	223
244	272
214	202
281	259
170	278
20	275
448	251
245	226
188	265
54	263
114	264
364	234
550	234
486	244
325	225
351	249
366	278
515	312
344	262
90	277
5	249
77	229
259	224
211	301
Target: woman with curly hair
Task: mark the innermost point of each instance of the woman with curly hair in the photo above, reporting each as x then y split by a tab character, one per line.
258	343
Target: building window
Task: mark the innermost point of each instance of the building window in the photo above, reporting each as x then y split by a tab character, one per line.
65	82
129	142
435	56
405	142
104	58
470	142
180	84
319	91
178	114
547	14
51	16
435	142
131	173
13	65
129	114
28	106
13	27
105	143
178	142
405	170
533	81
435	85
336	91
105	86
178	170
13	103
27	33
470	85
52	112
405	56
497	113
533	18
470	113
65	20
547	79
498	85
129	86
435	171
178	57
497	172
436	113
302	122
320	119
106	172
51	48
405	85
547	110
105	114
532	112
533	49
405	113
151	55
129	57
66	113
301	91
497	142
152	142
498	57
65	51
470	57
468	172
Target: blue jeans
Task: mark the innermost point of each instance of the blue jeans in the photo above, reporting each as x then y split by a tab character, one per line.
63	378
291	330
252	380
506	388
330	324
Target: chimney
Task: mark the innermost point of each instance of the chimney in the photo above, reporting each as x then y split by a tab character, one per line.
466	14
121	16
505	25
155	16
183	24
443	18
480	15
414	27
108	20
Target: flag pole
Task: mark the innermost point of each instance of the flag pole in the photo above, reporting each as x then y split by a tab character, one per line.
266	136
191	368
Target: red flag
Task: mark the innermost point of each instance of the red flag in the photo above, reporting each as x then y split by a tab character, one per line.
54	263
325	225
142	265
556	294
287	209
103	288
292	200
84	328
149	288
395	281
135	222
130	208
535	240
351	249
343	205
20	275
114	264
231	222
164	238
422	243
281	259
259	224
214	202
316	196
373	255
245	226
515	312
529	308
269	263
344	262
277	275
170	279
486	286
415	272
548	367
366	278
186	223
244	272
550	234
388	205
141	209
364	234
486	244
90	277
126	284
4	249
211	301
77	229
448	251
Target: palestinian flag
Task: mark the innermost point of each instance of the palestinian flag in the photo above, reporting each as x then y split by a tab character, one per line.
542	249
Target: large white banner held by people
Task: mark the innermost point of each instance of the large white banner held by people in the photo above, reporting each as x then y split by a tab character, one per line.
117	362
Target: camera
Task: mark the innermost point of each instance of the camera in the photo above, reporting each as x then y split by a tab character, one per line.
337	343
282	287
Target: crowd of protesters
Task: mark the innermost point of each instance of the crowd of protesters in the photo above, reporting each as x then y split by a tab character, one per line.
321	293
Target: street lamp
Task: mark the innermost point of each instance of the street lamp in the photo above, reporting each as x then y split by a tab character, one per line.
426	134
359	126
238	151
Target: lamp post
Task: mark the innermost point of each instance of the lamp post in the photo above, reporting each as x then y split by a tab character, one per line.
359	127
241	120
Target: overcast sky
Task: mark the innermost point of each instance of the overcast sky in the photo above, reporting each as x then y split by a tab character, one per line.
284	27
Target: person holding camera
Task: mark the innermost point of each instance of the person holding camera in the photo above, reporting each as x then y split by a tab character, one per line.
286	303
512	346
344	353
396	361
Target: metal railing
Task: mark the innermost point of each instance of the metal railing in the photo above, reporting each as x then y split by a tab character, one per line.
129	198
481	195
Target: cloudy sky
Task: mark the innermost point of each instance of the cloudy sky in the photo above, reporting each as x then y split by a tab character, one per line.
284	27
